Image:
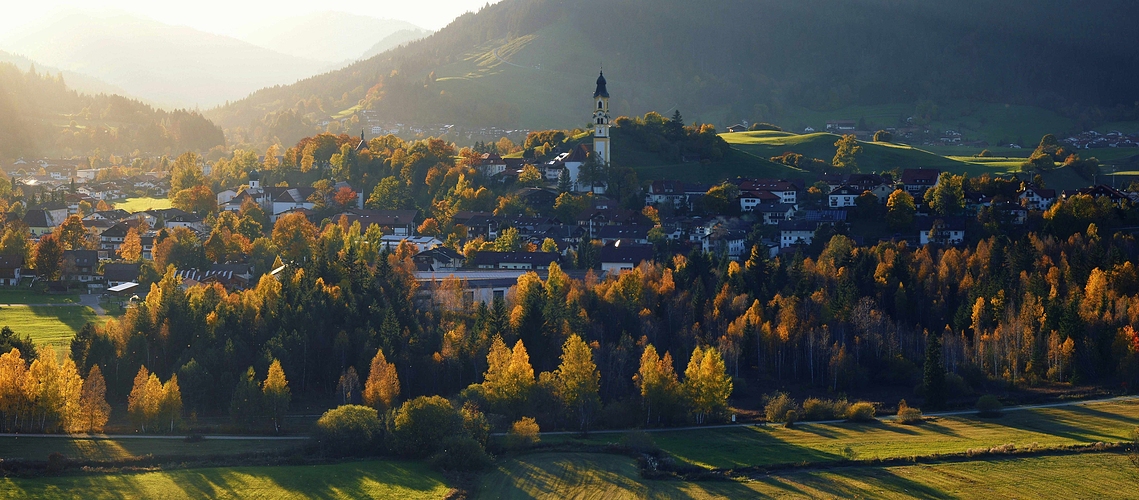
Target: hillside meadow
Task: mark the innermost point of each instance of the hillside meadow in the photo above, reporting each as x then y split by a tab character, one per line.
366	479
595	476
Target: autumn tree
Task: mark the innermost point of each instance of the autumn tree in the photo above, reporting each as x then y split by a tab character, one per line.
933	381
198	199
16	242
381	390
145	398
276	395
72	235
846	154
530	176
186	173
348	386
578	379
170	404
657	382
707	385
509	376
389	194
49	257
245	404
948	196
14	398
131	248
294	235
93	408
900	209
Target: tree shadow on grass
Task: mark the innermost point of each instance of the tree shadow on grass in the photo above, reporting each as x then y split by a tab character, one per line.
849	483
353	479
1065	423
940	429
741	448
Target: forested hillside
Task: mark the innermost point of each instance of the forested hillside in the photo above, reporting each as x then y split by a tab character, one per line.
529	63
42	116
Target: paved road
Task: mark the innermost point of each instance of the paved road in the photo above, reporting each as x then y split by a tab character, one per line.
92	301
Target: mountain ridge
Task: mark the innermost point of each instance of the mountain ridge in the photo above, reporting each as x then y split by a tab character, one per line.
525	63
174	66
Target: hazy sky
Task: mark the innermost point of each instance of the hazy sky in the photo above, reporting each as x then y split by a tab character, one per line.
228	17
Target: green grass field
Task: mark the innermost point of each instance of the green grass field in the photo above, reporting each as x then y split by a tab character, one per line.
747	446
25	295
38	448
55	325
371	479
589	476
879	156
143	203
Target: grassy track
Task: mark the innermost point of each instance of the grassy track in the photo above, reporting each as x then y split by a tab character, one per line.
744	446
371	479
54	325
143	203
32	448
588	476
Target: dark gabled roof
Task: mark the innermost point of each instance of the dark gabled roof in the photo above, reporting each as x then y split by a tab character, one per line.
115	214
379	217
774	207
533	258
767	185
469	218
920	176
81	257
292	195
11	261
623	231
625	252
847	190
440	253
37	218
185	218
578	154
515	163
798	225
601	90
116	231
120	272
949	223
1043	193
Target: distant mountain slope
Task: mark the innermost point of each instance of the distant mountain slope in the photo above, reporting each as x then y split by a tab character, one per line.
531	63
42	116
331	37
169	65
79	82
395	40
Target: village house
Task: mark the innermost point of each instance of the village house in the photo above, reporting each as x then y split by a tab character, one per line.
1034	198
941	230
515	260
623	255
11	269
917	180
796	232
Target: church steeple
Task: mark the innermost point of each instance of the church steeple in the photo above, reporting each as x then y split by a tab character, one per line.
601	121
601	91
